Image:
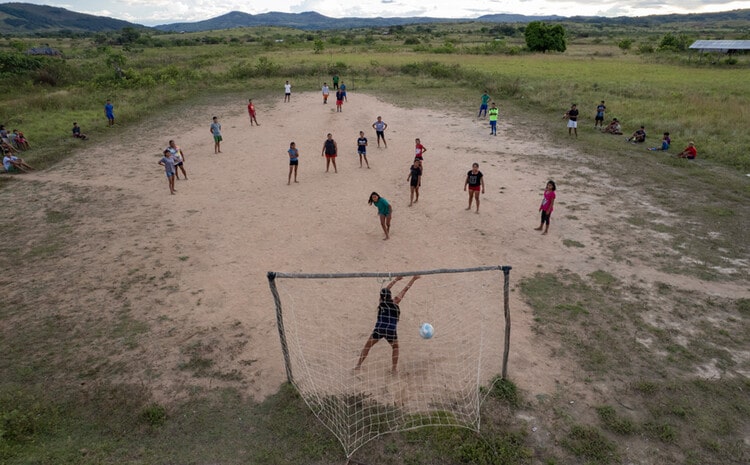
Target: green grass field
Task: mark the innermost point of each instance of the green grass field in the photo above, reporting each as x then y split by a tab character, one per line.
655	400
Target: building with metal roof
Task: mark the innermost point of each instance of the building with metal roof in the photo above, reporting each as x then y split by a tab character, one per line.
723	46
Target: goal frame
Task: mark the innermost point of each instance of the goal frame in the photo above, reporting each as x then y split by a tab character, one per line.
272	275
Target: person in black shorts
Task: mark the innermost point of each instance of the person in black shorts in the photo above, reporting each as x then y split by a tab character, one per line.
386	324
415	180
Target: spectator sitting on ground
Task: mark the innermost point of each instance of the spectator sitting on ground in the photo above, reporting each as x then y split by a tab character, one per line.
77	132
690	152
6	147
4	134
13	164
638	136
666	141
613	128
19	140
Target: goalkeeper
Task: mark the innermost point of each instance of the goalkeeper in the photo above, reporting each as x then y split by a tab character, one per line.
385	326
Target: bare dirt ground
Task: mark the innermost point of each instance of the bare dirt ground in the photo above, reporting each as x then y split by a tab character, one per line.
184	276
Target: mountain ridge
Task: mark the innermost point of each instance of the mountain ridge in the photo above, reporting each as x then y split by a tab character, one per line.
27	18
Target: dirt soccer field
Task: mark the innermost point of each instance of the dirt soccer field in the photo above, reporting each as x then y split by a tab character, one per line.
177	283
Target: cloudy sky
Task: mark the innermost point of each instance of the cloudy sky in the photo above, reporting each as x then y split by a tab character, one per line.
152	12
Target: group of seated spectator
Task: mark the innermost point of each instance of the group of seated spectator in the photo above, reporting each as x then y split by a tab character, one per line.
10	144
639	136
14	140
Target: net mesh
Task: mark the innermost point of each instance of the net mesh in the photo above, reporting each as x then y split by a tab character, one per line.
328	320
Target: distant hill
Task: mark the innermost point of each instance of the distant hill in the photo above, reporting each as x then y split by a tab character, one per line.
26	18
645	21
316	21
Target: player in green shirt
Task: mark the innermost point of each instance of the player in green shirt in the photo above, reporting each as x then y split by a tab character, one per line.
483	106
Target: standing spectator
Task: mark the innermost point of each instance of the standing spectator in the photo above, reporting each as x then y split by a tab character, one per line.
293	162
339	100
109	112
548	203
493	119
415	180
287	92
330	150
483	105
362	148
326	92
251	112
168	164
216	132
599	118
380	126
419	150
343	91
572	117
474	181
77	132
335	80
178	158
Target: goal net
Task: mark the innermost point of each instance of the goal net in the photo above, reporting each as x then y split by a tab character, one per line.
405	381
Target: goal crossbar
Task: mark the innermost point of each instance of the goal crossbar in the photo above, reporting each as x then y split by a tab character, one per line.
274	274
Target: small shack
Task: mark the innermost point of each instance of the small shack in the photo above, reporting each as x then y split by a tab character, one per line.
721	46
45	51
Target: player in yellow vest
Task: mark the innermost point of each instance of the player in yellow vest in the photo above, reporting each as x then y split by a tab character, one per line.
493	119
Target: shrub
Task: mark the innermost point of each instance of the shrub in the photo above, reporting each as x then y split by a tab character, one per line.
625	44
587	442
14	63
506	390
266	68
154	415
645	48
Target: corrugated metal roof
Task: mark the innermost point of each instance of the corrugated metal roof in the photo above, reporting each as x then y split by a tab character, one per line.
721	45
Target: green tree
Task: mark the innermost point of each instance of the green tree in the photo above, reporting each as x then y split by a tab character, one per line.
128	35
541	37
673	43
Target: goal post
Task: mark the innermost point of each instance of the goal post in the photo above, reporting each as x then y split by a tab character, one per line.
324	318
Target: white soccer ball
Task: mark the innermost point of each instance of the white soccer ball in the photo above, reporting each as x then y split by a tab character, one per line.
426	331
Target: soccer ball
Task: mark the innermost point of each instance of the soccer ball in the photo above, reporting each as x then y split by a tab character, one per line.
426	331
